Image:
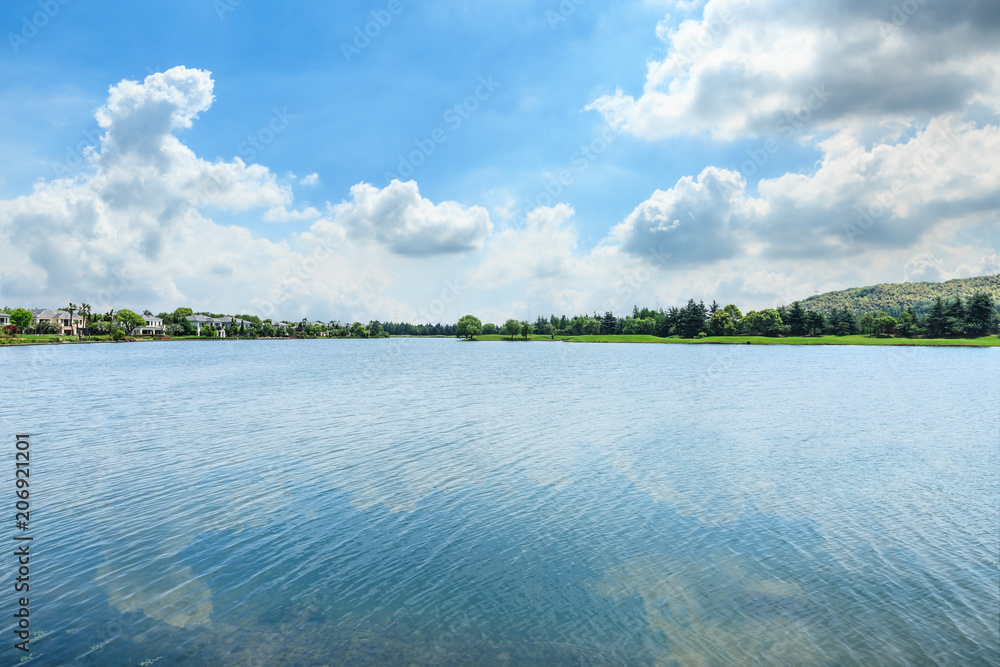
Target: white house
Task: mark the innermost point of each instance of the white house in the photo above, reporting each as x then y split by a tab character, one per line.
200	321
153	327
4	319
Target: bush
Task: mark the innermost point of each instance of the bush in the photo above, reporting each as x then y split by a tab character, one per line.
117	335
702	334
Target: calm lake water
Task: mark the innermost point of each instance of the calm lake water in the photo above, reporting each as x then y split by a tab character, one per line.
431	501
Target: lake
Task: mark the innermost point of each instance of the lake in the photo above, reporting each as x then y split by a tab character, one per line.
433	501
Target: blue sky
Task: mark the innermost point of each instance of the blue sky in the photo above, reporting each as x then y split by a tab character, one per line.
684	85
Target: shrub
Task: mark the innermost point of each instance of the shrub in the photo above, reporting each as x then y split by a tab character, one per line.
702	334
117	335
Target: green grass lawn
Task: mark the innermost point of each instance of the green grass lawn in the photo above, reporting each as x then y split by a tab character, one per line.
519	338
987	341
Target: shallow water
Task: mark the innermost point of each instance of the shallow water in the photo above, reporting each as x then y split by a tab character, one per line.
435	502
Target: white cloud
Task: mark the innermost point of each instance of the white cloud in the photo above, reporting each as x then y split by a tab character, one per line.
756	68
310	180
544	248
400	219
281	214
133	231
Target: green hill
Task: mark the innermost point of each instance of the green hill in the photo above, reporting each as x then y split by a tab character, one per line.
894	298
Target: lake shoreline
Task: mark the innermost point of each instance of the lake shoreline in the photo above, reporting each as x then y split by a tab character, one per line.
859	340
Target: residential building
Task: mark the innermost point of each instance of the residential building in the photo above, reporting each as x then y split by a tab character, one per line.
68	325
200	321
153	327
4	318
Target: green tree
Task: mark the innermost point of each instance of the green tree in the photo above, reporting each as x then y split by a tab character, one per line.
722	324
512	328
815	323
955	318
490	329
796	320
358	330
468	326
884	324
375	329
590	327
527	328
127	320
71	309
937	320
21	318
182	313
980	315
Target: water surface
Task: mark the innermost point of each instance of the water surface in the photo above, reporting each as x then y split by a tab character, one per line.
431	501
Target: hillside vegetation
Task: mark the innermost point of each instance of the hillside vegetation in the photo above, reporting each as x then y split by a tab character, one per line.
893	298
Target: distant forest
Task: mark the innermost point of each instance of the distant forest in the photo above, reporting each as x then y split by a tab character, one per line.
895	298
968	307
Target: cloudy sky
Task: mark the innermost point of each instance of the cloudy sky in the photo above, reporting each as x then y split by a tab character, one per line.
416	161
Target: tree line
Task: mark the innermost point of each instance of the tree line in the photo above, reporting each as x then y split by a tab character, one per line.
954	318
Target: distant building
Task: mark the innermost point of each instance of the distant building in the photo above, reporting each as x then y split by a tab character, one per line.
153	327
68	325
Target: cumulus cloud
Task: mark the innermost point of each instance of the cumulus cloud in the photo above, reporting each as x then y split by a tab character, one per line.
310	180
754	68
400	219
695	222
134	229
543	248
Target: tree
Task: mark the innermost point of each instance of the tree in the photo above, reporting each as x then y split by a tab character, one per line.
796	320
21	318
980	315
764	323
511	328
906	325
590	326
468	327
375	329
85	310
490	329
128	320
358	330
182	313
955	318
527	329
692	319
937	320
71	309
868	324
884	324
815	323
722	324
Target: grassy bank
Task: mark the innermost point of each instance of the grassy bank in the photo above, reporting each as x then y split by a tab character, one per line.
987	341
520	339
